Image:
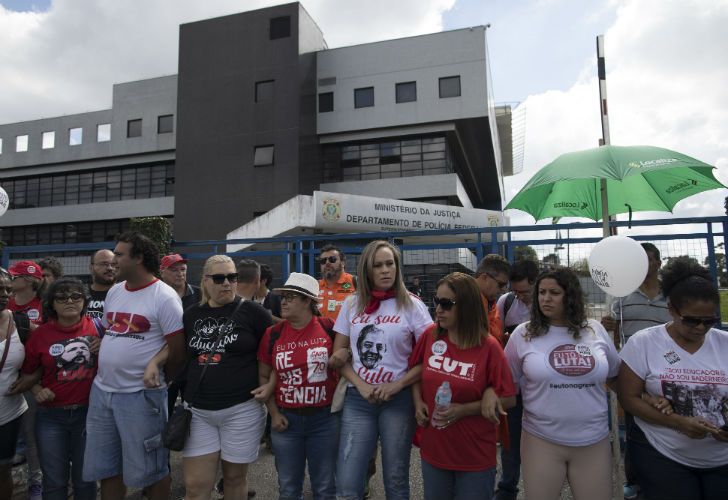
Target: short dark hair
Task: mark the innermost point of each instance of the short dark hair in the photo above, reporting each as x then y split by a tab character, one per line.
329	247
248	271
684	280
144	246
649	247
524	270
64	284
493	263
266	275
53	265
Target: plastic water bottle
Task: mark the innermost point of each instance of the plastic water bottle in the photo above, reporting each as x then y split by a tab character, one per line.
443	396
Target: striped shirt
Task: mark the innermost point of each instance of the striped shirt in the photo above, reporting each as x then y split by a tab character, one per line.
638	312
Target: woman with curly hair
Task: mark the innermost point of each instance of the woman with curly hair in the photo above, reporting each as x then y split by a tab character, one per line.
683	455
561	361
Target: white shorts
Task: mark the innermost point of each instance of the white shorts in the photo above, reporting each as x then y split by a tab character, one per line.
235	432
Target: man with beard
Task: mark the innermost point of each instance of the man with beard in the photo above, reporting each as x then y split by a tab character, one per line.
371	346
103	276
336	284
75	356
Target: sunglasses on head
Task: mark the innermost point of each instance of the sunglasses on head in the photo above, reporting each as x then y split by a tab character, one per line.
331	260
219	279
445	304
63	297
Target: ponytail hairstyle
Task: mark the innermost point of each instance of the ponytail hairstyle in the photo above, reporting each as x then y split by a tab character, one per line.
684	280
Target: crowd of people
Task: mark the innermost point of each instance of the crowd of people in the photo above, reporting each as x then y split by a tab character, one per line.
334	371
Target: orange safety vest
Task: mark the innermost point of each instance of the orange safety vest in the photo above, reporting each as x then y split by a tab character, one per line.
331	297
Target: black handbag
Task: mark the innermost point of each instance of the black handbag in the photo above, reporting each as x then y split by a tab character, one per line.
178	426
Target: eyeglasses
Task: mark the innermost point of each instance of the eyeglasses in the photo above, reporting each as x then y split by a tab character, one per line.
331	260
64	297
104	264
694	321
289	297
501	284
219	279
445	304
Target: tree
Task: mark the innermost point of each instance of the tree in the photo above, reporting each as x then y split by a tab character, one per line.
720	264
551	260
581	267
158	229
692	260
525	252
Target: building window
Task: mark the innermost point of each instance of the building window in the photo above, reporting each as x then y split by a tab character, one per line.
326	102
263	156
49	140
280	27
450	86
165	124
364	98
406	92
134	128
75	136
264	90
103	132
21	143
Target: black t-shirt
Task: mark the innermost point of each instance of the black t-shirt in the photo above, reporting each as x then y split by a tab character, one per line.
95	308
192	296
272	302
233	370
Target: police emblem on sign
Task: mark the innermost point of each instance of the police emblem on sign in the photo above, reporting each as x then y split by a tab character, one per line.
331	210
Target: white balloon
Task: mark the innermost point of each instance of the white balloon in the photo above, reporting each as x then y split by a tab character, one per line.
618	265
4	202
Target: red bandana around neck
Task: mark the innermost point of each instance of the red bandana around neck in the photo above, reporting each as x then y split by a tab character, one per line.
376	298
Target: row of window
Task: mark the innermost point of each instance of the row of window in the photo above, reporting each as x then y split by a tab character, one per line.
405	157
55	234
77	188
165	125
448	86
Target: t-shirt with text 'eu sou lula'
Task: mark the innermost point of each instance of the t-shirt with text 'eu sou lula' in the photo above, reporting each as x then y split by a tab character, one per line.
470	443
233	370
382	341
137	322
300	359
695	384
561	380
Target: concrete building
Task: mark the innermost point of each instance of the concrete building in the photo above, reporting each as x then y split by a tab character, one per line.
261	111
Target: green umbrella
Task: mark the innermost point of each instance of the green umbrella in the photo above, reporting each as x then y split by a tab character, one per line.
638	178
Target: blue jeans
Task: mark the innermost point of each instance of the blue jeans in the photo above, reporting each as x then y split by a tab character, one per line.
362	424
511	458
456	484
61	438
310	438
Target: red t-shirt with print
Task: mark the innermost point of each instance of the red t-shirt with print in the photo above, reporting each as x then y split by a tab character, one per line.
65	355
33	309
300	360
470	443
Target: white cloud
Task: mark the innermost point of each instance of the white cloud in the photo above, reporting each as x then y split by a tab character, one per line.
666	87
65	60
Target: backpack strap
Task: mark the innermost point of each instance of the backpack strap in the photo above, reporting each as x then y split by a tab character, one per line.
508	303
22	323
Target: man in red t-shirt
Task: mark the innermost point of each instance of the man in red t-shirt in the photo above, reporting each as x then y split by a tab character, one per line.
492	278
27	277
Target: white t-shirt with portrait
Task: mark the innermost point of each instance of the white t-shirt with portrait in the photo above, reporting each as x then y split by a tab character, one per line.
137	322
561	380
381	342
695	384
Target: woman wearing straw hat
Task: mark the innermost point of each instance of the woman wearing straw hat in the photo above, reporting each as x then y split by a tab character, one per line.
295	353
381	323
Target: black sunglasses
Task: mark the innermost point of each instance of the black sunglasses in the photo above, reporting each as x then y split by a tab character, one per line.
694	321
63	297
445	304
219	279
331	260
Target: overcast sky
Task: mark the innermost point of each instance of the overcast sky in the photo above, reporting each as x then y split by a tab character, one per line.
666	72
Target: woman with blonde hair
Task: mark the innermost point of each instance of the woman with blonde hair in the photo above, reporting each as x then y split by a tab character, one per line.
457	445
222	334
381	323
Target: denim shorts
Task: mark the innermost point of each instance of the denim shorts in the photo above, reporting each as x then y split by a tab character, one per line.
124	436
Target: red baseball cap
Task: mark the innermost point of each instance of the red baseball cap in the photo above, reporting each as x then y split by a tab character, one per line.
170	260
26	268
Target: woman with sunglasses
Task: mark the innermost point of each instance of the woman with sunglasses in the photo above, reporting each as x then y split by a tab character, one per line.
62	347
561	361
684	454
381	324
457	445
296	353
227	422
